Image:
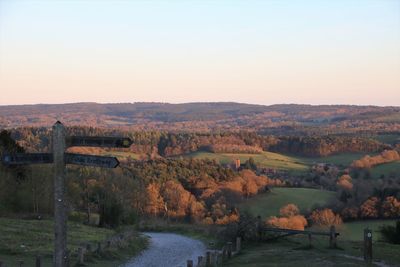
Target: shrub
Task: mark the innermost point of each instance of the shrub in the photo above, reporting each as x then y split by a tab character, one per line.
391	233
325	217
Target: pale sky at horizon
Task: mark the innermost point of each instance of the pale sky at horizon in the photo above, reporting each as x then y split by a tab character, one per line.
261	52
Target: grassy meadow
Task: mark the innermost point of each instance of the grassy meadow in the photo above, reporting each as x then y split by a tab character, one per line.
24	239
295	165
268	204
386	169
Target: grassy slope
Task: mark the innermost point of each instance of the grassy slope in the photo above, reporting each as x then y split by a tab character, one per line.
293	164
268	204
24	239
294	252
386	169
265	159
350	252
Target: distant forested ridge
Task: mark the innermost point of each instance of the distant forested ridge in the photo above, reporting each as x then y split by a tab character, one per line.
169	144
209	117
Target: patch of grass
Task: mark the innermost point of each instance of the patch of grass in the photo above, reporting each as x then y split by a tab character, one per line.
388	138
291	252
24	239
386	169
343	160
294	165
269	204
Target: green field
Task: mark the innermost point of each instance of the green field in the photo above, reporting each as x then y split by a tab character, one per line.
24	239
294	251
292	164
269	204
264	159
344	159
387	169
387	138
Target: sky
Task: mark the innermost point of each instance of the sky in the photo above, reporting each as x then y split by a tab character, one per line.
262	52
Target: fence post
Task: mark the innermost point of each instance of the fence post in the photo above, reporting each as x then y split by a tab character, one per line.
229	245
238	243
80	255
367	245
98	247
309	241
259	227
199	260
38	261
332	237
189	263
208	259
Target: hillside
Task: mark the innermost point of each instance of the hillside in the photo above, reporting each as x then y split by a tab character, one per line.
204	116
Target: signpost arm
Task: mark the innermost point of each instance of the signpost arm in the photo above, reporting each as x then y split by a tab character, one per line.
60	220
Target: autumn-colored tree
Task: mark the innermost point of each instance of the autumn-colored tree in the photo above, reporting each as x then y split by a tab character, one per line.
155	202
345	182
370	208
325	217
289	210
297	222
291	219
391	207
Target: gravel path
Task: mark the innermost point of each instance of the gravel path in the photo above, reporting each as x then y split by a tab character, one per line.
168	250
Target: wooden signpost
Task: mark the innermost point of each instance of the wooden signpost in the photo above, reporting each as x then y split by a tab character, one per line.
59	159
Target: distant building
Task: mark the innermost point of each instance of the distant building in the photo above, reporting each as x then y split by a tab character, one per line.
237	164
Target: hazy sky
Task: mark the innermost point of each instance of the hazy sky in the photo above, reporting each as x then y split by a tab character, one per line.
318	52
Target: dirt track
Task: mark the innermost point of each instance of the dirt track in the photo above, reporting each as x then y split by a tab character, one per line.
168	250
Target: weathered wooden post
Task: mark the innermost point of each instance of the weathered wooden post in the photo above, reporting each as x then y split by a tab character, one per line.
259	228
38	261
367	245
229	246
332	237
238	244
199	261
81	255
60	224
208	258
224	253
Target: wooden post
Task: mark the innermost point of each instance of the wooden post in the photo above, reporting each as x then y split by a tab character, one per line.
332	237
238	243
21	263
367	245
229	246
224	253
309	241
199	260
259	228
88	247
81	255
189	263
98	248
60	258
38	261
208	259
